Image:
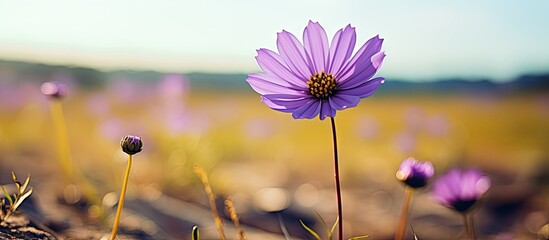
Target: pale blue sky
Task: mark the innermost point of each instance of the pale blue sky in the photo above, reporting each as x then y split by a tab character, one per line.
423	39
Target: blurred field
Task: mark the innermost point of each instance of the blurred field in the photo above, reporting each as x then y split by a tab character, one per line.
249	150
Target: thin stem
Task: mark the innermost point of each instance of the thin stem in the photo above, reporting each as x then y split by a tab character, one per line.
234	217
468	227
72	174
404	212
199	171
62	138
121	200
337	182
471	226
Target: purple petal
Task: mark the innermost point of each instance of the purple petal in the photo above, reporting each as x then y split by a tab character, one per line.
362	58
308	110
365	89
326	110
470	184
316	45
407	163
341	101
269	84
286	96
273	64
442	194
284	105
293	53
427	168
363	72
341	49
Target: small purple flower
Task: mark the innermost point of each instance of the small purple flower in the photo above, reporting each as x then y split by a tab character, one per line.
131	144
317	78
460	189
54	89
414	173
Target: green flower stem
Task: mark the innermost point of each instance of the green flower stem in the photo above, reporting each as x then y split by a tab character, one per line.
404	213
337	182
121	200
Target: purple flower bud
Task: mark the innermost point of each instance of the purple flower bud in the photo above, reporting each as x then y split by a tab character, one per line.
54	89
460	189
414	173
131	144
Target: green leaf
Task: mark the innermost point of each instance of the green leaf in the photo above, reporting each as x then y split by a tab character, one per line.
7	196
21	199
328	232
359	237
311	231
195	233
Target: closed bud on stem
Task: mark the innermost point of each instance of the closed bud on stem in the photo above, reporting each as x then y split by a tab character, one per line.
131	144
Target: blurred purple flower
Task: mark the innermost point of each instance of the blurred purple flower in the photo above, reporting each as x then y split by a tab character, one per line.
367	128
98	105
315	78
405	142
543	105
414	118
12	97
460	189
173	86
54	89
259	128
414	173
437	125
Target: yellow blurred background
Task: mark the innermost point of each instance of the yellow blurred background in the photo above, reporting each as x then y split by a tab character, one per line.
268	162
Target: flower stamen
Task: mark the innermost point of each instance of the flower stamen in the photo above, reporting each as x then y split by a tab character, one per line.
322	86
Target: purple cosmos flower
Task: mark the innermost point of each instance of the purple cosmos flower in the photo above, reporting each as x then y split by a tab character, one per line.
414	173
460	189
317	78
54	89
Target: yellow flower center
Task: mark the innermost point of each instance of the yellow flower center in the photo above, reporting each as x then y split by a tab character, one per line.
322	86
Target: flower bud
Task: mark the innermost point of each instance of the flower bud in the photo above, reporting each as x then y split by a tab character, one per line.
414	173
131	144
54	89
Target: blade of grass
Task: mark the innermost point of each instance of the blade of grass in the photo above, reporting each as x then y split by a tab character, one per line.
311	231
283	227
21	199
359	237
334	226
328	232
7	196
15	180
25	185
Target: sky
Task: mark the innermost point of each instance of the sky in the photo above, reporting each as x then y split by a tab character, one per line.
424	40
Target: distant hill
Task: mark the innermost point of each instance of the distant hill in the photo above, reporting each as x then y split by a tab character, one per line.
92	78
